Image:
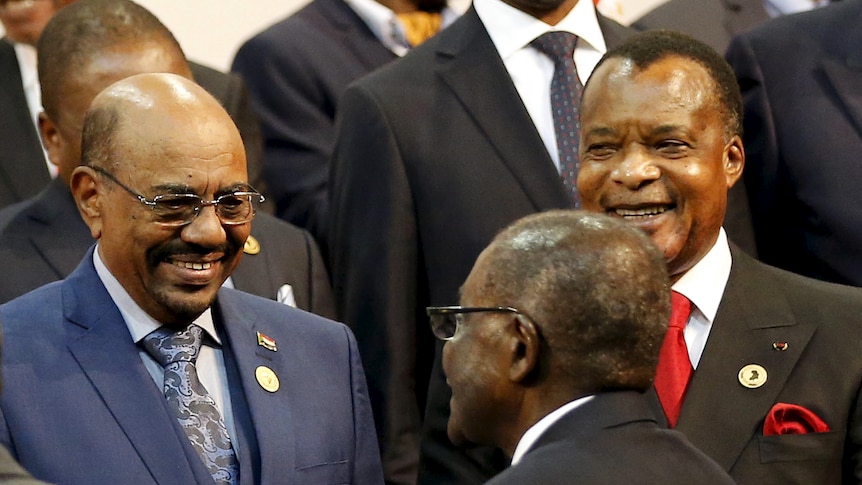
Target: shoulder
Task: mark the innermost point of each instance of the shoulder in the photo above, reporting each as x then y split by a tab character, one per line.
828	26
12	216
267	227
32	316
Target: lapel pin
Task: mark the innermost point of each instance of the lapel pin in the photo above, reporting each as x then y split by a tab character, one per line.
266	378
266	342
752	376
251	246
780	346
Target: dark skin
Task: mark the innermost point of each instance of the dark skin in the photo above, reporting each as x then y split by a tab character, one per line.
548	11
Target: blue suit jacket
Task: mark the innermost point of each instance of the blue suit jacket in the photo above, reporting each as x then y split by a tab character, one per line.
79	406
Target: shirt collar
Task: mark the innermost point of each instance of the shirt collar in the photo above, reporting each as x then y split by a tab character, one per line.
537	430
139	322
26	55
386	27
704	283
511	29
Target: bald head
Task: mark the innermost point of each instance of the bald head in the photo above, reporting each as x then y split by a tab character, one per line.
154	112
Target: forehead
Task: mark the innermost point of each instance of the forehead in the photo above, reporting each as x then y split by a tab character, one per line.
169	145
670	85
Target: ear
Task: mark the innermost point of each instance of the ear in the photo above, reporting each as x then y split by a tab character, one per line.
734	160
51	138
85	190
525	348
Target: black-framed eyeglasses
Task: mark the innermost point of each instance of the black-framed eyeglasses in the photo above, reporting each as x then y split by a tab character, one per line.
445	320
181	209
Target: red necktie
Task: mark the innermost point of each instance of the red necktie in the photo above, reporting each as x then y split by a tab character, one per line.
674	367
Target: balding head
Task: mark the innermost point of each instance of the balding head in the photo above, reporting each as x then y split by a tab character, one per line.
86	47
592	301
148	137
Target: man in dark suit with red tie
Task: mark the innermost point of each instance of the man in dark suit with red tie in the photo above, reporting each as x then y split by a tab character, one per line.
770	389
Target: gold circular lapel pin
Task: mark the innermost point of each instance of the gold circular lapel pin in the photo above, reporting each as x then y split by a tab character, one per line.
752	376
251	246
266	378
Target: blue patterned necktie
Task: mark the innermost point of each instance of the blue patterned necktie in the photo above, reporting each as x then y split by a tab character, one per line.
566	91
192	405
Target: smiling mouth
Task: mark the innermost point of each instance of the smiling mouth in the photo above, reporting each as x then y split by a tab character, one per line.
192	265
642	212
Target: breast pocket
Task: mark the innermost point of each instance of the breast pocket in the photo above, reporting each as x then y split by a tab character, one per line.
336	473
800	447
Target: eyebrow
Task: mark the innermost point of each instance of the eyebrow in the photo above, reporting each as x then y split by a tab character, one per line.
175	188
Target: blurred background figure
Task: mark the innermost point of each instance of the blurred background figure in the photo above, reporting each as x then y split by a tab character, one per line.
296	72
801	80
717	21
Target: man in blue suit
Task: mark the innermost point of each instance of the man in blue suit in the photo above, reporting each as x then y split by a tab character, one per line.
85	373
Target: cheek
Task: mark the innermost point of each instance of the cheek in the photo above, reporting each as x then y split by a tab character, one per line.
590	179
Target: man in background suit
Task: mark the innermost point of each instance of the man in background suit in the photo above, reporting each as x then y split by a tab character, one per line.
44	238
715	22
23	167
166	376
801	79
548	357
436	153
769	364
296	72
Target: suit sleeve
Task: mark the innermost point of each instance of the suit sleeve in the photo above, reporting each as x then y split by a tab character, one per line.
375	265
297	123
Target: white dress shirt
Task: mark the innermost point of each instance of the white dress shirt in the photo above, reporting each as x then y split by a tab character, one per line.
384	24
26	55
532	435
704	285
210	362
512	31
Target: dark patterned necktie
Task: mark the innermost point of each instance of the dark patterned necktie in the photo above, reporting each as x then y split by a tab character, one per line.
177	352
566	91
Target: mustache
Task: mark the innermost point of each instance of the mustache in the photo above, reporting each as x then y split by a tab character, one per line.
179	247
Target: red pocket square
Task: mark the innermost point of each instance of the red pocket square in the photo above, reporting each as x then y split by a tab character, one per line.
786	418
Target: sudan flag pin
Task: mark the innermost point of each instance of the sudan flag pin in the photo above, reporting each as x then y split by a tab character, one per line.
266	342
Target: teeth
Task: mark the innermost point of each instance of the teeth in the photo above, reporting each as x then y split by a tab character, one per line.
649	211
189	265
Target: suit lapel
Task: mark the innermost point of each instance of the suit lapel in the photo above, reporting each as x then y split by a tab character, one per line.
103	347
845	75
22	165
55	212
471	67
753	315
276	446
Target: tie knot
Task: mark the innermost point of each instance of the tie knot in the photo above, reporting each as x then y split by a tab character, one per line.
168	346
680	310
559	46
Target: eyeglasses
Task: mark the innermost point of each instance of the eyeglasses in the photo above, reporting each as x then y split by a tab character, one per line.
181	209
445	320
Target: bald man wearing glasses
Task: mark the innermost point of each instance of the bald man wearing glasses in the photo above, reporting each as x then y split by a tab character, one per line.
141	358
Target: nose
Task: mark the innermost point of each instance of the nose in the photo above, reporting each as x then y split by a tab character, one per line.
636	170
205	230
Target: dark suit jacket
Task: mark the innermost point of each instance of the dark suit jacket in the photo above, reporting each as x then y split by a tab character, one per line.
712	21
296	72
821	370
43	240
435	153
80	407
23	172
801	77
613	438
